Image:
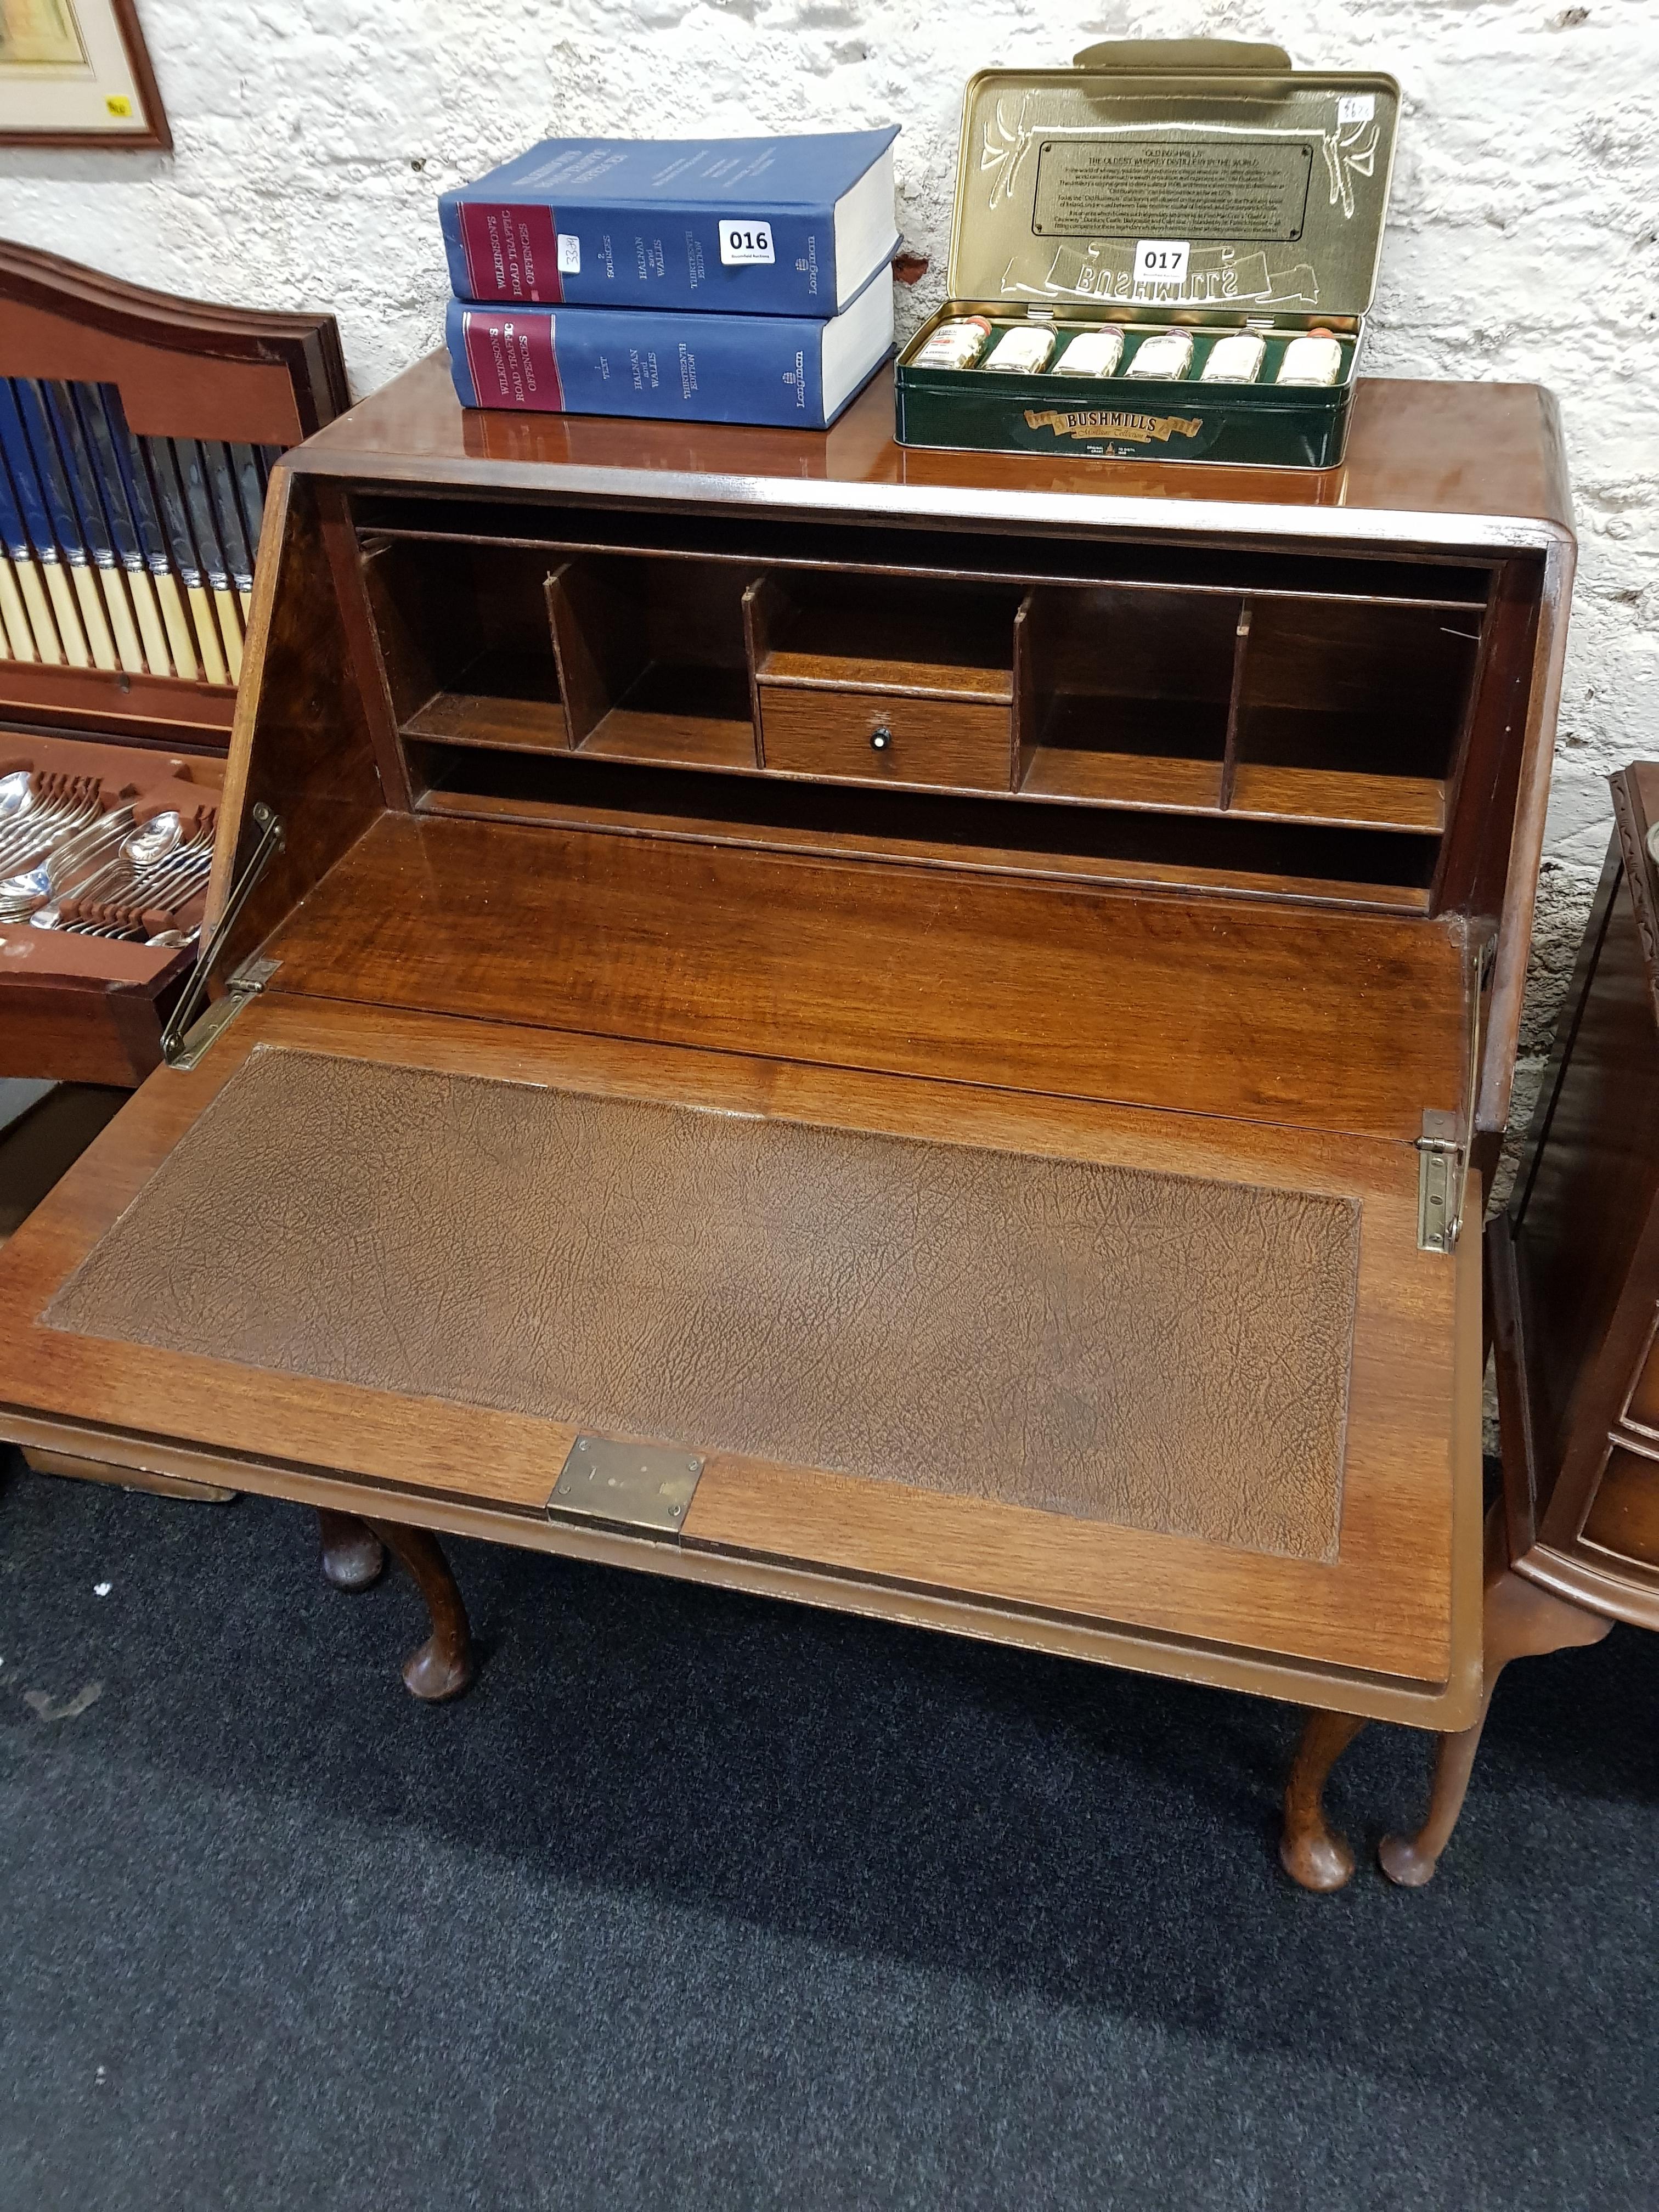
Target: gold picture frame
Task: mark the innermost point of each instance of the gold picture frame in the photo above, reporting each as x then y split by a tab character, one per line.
77	73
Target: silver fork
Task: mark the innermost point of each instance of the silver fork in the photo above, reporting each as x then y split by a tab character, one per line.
50	916
52	819
20	894
45	825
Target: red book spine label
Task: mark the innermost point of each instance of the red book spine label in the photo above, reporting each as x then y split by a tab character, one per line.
512	252
513	361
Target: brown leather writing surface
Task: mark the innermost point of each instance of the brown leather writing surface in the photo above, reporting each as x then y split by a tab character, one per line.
1099	1341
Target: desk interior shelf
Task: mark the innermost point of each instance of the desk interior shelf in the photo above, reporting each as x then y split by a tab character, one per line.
465	644
1127	696
1171	726
652	658
943	641
1353	712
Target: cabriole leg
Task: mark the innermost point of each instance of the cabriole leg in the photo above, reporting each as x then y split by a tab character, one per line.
1519	1621
1309	1850
354	1557
443	1666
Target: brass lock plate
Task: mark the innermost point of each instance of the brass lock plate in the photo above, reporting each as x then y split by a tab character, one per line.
629	1486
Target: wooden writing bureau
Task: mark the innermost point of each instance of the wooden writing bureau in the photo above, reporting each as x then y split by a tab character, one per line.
899	1029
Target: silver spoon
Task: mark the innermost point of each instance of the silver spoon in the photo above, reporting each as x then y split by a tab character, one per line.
148	846
170	882
16	793
183	859
156	837
154	840
20	892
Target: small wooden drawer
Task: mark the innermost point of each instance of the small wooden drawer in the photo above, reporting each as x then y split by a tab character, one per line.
878	737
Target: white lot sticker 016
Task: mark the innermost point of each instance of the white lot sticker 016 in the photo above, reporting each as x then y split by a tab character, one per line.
743	244
1161	261
1356	107
570	254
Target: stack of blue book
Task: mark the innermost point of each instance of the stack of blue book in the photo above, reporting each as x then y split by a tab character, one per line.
734	280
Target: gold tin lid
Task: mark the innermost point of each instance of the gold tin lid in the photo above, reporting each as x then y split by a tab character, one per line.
1173	174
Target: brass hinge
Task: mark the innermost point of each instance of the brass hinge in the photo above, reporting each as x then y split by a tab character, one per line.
182	1045
1442	1162
1443	1150
242	984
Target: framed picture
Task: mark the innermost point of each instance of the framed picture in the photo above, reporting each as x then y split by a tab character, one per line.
77	73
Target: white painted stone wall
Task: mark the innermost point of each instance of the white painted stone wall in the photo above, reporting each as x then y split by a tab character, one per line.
311	136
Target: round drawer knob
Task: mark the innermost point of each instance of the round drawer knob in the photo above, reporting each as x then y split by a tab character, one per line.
881	738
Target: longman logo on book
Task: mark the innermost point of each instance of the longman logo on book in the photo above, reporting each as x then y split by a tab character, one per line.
1090	422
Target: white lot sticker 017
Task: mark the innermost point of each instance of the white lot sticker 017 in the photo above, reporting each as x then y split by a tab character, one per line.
570	254
1356	107
1161	261
744	243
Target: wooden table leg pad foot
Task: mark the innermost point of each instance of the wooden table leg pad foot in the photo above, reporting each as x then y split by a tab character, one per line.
354	1557
1311	1852
443	1667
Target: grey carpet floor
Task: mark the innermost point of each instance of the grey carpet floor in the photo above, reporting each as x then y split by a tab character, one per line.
699	1901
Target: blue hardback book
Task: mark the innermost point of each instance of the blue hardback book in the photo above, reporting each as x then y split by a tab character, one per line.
783	369
740	226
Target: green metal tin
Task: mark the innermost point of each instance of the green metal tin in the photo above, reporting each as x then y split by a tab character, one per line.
1116	418
1278	180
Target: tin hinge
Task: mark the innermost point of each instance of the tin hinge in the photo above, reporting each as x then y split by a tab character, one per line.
648	1487
183	1045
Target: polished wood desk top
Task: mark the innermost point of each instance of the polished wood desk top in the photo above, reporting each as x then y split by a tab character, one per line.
1458	465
